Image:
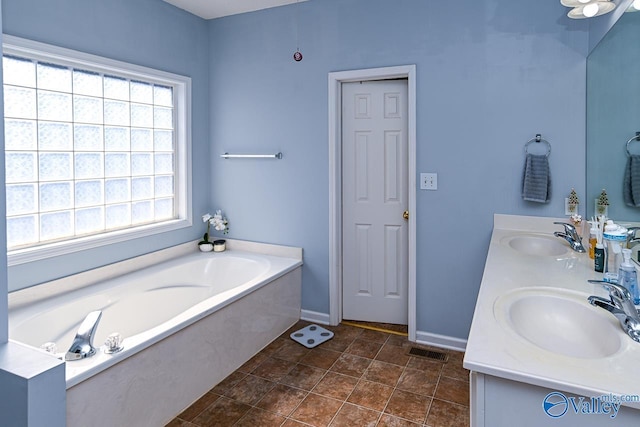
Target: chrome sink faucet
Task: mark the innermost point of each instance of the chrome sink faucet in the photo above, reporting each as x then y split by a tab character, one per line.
632	240
571	235
620	305
82	346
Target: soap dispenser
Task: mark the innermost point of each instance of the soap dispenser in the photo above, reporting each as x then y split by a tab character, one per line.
628	276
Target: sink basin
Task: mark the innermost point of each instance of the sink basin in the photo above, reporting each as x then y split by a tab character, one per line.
560	321
538	245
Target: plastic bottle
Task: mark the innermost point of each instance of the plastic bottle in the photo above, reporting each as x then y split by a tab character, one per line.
615	237
599	257
593	240
628	276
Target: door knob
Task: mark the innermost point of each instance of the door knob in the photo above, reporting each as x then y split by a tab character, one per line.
405	215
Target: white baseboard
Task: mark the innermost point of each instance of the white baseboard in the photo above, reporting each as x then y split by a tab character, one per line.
315	317
443	341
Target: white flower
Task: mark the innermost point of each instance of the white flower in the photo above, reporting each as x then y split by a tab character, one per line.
219	222
206	217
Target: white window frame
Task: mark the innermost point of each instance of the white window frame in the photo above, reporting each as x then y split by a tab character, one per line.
17	46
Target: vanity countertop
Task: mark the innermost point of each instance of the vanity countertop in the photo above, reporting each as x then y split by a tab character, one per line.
496	350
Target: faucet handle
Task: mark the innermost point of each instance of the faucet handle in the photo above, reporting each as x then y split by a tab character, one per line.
621	298
615	290
568	228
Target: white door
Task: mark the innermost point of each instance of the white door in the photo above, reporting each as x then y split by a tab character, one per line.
374	199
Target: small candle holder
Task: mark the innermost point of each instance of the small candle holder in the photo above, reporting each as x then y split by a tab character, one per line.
219	245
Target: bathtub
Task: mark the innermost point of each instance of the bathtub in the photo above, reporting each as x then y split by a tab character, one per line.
188	319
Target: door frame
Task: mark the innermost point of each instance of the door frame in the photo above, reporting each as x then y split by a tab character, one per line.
335	183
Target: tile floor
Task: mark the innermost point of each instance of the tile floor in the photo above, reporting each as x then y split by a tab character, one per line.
359	378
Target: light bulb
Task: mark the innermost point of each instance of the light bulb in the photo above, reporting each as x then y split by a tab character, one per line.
636	4
590	10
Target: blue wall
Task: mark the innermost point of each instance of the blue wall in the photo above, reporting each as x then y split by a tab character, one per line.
150	33
490	75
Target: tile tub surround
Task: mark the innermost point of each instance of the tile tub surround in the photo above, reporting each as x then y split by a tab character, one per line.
494	350
358	378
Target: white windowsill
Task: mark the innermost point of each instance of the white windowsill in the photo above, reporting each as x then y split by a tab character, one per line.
22	256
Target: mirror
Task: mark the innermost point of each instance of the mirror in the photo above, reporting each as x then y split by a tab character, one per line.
613	115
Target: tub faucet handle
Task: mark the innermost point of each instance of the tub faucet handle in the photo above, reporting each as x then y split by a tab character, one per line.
82	345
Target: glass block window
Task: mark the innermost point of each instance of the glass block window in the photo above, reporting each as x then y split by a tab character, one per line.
89	149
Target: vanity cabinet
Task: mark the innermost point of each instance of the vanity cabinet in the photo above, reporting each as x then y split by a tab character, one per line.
499	402
538	352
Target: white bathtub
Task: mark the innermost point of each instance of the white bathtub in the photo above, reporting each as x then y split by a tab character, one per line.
187	322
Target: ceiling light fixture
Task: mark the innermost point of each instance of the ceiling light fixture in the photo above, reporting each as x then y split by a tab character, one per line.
588	8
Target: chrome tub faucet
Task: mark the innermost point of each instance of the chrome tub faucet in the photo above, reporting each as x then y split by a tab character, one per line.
82	346
571	235
620	305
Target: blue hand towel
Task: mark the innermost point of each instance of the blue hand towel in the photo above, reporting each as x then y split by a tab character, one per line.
536	179
631	183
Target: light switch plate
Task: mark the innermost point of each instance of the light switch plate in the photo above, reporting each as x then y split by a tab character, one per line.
428	181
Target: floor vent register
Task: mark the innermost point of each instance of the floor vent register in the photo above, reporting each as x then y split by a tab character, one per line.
428	354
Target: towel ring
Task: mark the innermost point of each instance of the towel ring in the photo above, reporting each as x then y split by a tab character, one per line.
538	138
635	138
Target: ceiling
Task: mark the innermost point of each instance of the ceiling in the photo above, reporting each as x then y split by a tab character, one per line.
209	9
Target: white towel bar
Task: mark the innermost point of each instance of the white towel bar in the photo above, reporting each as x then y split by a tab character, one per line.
251	156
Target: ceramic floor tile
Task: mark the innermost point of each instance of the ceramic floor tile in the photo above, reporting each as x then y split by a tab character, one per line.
447	414
425	364
375	336
390	421
351	415
178	422
371	395
274	346
293	423
418	381
320	358
303	376
391	353
337	386
316	410
250	389
451	390
273	369
198	406
410	406
258	417
384	373
398	340
291	351
363	366
352	365
223	412
253	363
362	348
343	330
282	399
229	382
454	369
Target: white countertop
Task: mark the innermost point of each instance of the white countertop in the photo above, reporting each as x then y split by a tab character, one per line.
496	350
